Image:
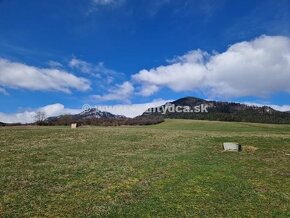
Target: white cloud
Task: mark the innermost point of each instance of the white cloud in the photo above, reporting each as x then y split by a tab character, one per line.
18	75
282	108
58	109
148	90
121	92
54	64
107	2
132	110
81	65
28	115
98	70
3	91
101	68
96	4
103	2
186	73
251	68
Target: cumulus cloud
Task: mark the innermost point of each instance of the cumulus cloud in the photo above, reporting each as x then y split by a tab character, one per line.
28	115
251	68
18	75
121	92
187	72
132	110
148	89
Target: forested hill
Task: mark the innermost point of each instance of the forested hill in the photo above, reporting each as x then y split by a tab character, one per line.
222	111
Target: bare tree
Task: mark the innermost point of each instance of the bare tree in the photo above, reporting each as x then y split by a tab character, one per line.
39	117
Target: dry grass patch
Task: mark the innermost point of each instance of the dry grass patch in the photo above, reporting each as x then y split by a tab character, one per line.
249	149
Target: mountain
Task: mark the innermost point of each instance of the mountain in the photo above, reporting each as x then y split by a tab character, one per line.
101	118
216	110
95	113
90	114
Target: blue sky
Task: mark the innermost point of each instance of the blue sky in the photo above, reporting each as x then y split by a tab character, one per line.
108	52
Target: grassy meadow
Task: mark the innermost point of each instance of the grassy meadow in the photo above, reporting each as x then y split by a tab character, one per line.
176	168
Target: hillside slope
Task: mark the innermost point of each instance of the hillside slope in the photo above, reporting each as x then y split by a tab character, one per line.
221	111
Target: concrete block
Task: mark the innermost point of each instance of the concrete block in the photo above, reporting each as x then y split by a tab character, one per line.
73	125
232	146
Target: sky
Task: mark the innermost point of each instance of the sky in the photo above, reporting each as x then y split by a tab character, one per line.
58	55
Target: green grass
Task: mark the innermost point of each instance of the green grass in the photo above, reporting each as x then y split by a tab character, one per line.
176	168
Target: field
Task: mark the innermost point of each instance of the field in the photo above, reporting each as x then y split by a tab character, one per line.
176	168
